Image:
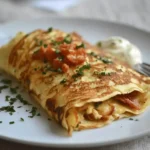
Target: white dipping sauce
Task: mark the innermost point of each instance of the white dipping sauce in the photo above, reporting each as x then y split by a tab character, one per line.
122	48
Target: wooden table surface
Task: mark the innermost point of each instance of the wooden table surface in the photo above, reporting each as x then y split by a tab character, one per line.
133	12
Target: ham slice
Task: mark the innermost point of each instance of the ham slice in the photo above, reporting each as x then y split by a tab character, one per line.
130	100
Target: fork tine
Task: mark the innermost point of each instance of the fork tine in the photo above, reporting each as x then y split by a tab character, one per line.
143	68
146	66
146	71
140	71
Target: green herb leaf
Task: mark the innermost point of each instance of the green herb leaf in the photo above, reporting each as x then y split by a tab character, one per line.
102	73
19	106
45	45
50	29
20	98
63	81
68	39
57	51
80	71
3	87
33	112
7	98
105	60
12	122
130	118
93	54
59	70
35	52
12	101
9	109
6	81
21	119
43	72
13	90
80	46
99	44
1	121
38	114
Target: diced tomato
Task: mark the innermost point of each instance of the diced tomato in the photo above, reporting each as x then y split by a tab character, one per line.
50	54
64	48
65	68
57	63
77	57
39	54
70	56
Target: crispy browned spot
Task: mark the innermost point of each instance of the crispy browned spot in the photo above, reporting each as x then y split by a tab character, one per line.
50	103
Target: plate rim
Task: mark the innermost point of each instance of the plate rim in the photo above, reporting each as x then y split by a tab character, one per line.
79	145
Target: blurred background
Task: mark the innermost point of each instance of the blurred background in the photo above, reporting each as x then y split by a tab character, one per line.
133	12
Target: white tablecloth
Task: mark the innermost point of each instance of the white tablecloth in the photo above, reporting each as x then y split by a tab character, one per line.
133	12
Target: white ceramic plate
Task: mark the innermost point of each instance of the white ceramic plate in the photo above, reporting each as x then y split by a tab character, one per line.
39	130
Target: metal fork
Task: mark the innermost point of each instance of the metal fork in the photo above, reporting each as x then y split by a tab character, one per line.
143	68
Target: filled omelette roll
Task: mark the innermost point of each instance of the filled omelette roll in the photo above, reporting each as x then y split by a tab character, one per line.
78	85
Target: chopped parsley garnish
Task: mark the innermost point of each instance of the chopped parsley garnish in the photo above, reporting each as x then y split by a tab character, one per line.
12	122
93	54
19	106
33	112
99	44
38	114
105	60
3	87
20	98
57	51
1	121
6	81
102	73
59	70
63	81
35	52
80	72
68	39
21	119
41	43
80	46
45	45
133	119
12	101
13	90
43	72
60	58
7	98
50	29
9	109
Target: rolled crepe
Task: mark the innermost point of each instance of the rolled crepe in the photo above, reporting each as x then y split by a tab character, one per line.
78	85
